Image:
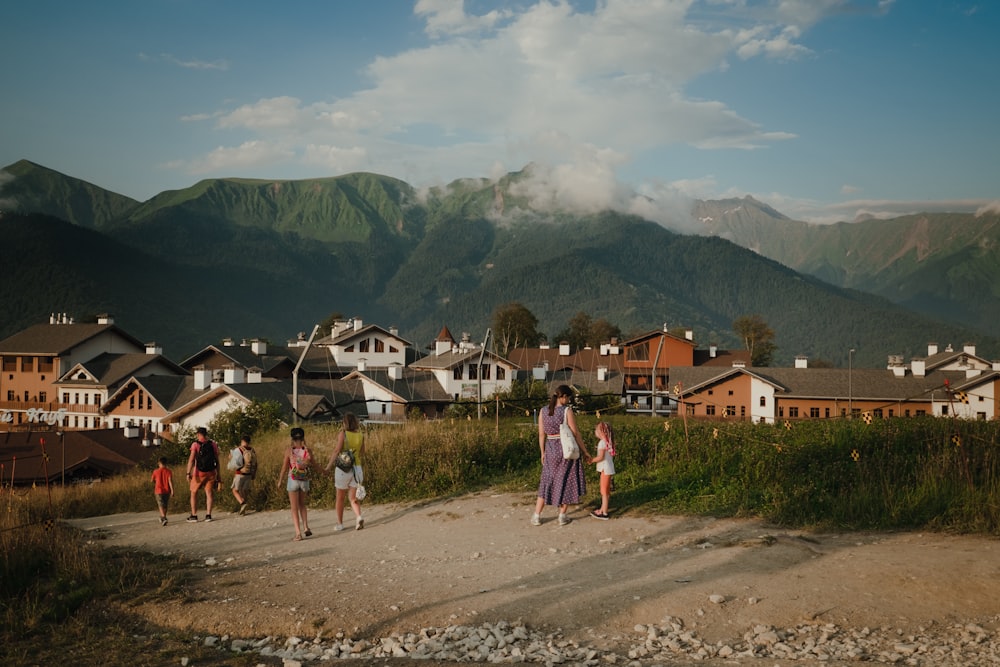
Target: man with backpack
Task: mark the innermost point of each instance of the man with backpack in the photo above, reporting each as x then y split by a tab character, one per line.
203	471
243	463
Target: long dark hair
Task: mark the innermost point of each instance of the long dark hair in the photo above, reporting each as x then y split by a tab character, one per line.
561	390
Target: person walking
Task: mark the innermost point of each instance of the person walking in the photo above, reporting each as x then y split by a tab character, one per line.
244	472
348	474
298	463
563	481
163	487
605	460
203	473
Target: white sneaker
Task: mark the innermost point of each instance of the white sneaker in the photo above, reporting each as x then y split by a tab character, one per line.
563	519
339	527
360	524
536	520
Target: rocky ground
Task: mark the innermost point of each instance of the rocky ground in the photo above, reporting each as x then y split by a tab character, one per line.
469	579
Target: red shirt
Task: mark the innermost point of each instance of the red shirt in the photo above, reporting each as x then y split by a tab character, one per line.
161	479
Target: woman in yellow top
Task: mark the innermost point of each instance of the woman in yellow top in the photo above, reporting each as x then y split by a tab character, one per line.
348	477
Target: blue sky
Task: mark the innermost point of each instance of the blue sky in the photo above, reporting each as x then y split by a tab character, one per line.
824	109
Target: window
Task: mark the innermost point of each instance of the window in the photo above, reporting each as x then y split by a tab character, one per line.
826	412
457	373
730	410
891	413
349	348
10	365
140	399
944	410
485	370
690	408
711	391
10	395
116	423
379	345
921	413
501	373
981	416
730	392
97	399
45	365
639	352
76	398
86	399
363	345
793	412
878	412
814	413
393	349
43	396
710	410
27	364
743	411
149	402
781	411
472	372
763	401
65	397
906	413
131	402
26	397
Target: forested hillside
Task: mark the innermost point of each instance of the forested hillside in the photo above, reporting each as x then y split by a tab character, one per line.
245	259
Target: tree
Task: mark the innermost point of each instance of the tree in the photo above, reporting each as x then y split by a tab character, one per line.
236	421
583	331
514	326
758	338
326	325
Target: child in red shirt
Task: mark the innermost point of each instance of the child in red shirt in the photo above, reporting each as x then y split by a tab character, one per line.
163	487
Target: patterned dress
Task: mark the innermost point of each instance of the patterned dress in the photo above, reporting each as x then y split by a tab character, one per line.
563	481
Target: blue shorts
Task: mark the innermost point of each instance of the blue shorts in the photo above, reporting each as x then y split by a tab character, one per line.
297	485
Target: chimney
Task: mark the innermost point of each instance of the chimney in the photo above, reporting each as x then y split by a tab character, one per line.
898	371
918	368
713	350
258	347
395	372
105	318
932	349
801	361
969	348
394	331
358	324
202	378
254	375
563	349
228	342
739	364
153	348
362	364
232	375
689	334
602	373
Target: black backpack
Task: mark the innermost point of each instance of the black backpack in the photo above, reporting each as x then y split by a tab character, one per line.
206	459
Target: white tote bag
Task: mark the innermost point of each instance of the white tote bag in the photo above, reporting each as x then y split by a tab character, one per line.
571	450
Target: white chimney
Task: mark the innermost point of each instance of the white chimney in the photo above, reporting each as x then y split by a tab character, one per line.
105	318
393	331
689	334
442	347
995	366
604	349
228	342
801	362
739	364
563	349
395	372
898	371
602	373
969	349
232	375
932	349
358	324
918	367
713	350
153	348
362	364
258	347
53	319
254	375
202	378
543	345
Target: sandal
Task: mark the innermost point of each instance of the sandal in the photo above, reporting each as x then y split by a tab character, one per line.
297	538
309	533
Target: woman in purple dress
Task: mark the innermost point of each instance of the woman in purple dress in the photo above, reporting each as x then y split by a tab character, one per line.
562	479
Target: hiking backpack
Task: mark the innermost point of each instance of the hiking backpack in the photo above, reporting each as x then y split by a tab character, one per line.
206	459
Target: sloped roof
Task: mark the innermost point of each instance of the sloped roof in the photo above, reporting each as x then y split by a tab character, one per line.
656	333
164	389
351	334
58	339
721	358
587	359
413	387
87	453
109	369
244	357
453	357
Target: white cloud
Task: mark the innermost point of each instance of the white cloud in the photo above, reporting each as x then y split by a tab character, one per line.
580	94
221	65
988	208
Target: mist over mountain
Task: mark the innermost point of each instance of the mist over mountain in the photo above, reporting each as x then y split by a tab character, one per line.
249	258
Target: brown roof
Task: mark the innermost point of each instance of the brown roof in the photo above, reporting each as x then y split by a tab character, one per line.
58	339
75	455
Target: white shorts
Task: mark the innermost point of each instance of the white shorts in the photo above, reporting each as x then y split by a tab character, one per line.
345	480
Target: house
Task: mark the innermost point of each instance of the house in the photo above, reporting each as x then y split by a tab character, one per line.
942	384
352	343
598	371
466	370
391	394
35	359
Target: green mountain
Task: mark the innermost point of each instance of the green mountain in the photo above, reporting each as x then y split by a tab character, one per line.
251	258
944	265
